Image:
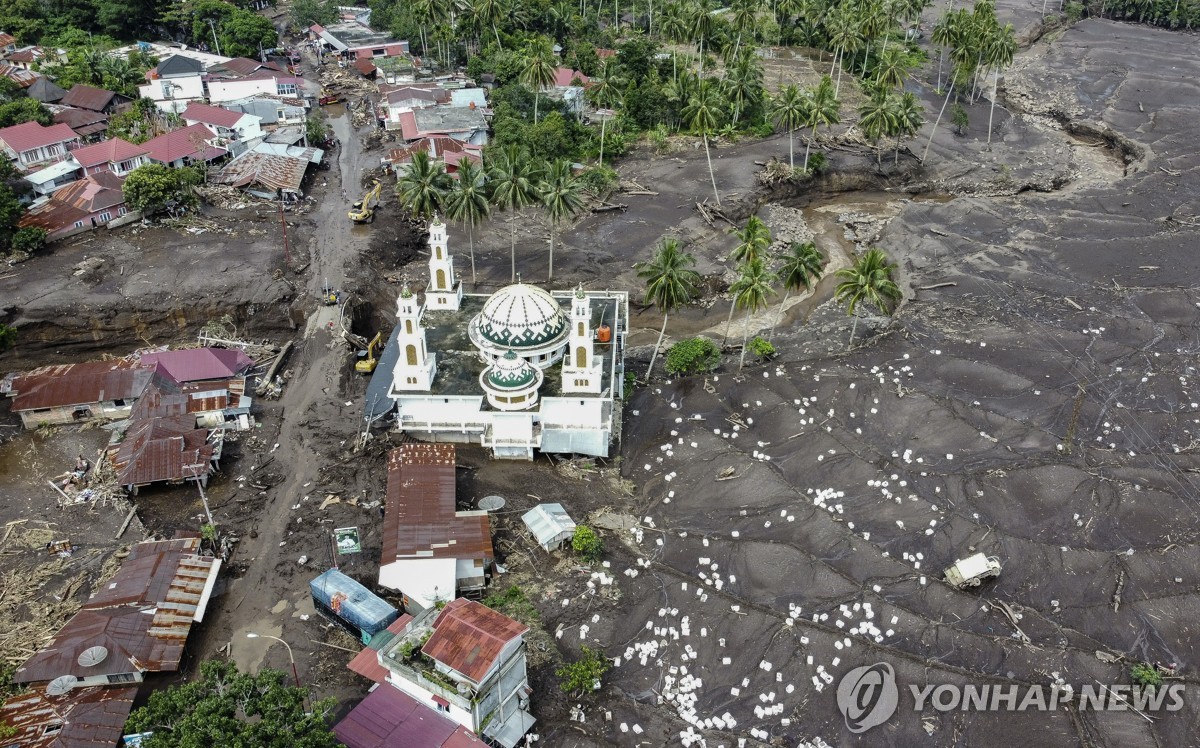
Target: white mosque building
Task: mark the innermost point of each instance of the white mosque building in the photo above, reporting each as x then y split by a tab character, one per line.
520	370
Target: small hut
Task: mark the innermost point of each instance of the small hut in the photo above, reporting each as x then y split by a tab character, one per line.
550	525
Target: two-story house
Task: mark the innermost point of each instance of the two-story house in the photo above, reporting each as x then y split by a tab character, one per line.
261	82
174	83
187	145
471	668
224	122
31	144
115	155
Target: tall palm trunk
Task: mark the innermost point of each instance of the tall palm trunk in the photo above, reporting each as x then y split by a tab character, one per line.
536	98
729	322
603	122
949	93
779	319
838	62
552	224
496	31
992	109
745	335
471	238
853	329
808	146
791	149
711	175
512	226
654	356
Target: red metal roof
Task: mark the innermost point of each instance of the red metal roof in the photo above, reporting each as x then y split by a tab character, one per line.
7	39
199	364
141	617
93	193
19	75
79	384
52	216
162	449
469	637
366	662
364	66
29	135
86	718
211	115
420	520
564	76
186	142
112	151
390	718
88	97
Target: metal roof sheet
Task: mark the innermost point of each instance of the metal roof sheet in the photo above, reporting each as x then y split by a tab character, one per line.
170	448
79	384
88	97
211	115
468	637
29	135
390	718
113	150
186	142
420	520
197	364
88	717
548	522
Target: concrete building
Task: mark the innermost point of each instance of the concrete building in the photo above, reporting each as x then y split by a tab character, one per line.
355	40
83	205
478	673
431	551
521	370
226	123
30	144
174	83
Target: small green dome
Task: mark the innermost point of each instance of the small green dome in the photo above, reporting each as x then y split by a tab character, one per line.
511	372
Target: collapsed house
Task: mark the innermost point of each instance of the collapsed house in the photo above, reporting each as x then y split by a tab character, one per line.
79	718
78	393
269	169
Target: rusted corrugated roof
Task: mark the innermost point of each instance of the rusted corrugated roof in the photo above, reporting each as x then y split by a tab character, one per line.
88	97
162	449
469	637
79	384
268	170
81	718
141	617
420	520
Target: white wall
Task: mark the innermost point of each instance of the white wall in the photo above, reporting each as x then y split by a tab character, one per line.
456	713
219	91
418	578
425	408
586	412
184	90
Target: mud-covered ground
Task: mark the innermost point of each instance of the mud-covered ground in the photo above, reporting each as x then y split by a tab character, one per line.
1040	409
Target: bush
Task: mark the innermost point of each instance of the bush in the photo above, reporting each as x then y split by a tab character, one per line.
762	348
584	674
817	163
599	180
1074	11
1146	675
693	356
587	543
8	337
29	239
958	118
763	130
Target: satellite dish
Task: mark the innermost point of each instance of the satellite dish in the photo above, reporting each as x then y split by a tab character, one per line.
92	656
491	503
61	685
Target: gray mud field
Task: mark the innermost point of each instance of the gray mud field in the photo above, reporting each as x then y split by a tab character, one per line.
1035	398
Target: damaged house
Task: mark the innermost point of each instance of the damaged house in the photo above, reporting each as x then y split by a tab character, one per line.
78	393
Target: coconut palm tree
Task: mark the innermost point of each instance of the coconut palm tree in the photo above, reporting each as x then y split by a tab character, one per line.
423	186
790	110
743	82
468	201
703	114
824	109
910	115
537	73
892	68
605	93
489	13
800	269
514	183
701	24
670	283
844	36
877	117
999	52
750	292
562	196
869	279
753	241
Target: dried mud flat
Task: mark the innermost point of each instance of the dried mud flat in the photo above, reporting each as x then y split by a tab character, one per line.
1040	410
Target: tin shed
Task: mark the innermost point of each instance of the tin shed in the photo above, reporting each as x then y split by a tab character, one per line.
550	525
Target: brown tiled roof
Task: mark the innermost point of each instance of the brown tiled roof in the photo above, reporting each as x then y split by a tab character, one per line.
89	718
270	170
245	66
141	617
113	150
468	637
162	449
364	66
7	39
28	135
52	216
186	142
420	520
79	384
210	115
88	97
84	122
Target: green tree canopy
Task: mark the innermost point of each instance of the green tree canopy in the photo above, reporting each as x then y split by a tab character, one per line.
24	110
154	187
228	708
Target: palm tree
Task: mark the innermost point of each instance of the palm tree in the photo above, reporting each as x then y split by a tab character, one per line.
701	25
468	201
868	279
670	282
824	109
999	52
537	73
423	185
750	292
605	93
877	117
703	114
562	196
753	241
743	83
892	68
790	110
800	269
910	115
845	37
488	13
515	183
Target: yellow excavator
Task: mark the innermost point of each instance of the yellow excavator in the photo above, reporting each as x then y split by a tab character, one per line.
367	362
364	210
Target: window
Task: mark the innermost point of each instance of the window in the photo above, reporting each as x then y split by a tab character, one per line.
122	678
106	216
410	353
121	211
581	332
381	52
443	707
408	326
79	224
52	729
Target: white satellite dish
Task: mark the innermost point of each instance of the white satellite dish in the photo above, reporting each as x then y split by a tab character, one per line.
61	685
491	503
92	656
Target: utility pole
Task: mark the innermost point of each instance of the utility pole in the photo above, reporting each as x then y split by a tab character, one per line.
216	43
287	252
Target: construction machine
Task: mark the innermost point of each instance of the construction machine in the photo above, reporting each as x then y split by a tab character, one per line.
329	295
367	362
364	210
